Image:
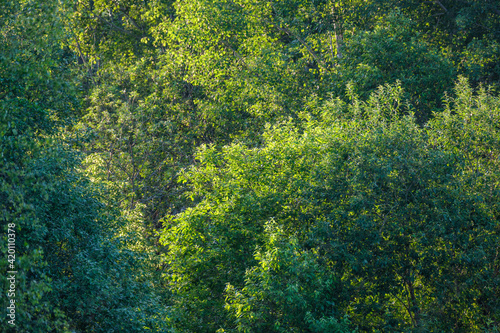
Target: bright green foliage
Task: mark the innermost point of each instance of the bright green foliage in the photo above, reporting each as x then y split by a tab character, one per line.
200	72
143	132
232	54
384	221
214	72
219	78
288	291
104	30
312	209
395	51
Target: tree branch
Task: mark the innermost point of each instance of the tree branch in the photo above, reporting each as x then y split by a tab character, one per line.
112	25
441	5
311	52
286	30
236	54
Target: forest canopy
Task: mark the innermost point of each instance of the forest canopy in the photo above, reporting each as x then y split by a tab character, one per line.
250	166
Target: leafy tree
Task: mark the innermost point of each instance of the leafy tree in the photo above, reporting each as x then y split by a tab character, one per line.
395	51
30	78
375	207
100	31
377	214
73	269
217	79
469	127
288	291
466	31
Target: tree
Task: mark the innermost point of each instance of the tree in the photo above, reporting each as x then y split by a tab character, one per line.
393	51
74	271
289	290
375	207
466	31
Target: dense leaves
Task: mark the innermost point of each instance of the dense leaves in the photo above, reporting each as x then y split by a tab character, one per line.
393	226
251	166
394	51
74	271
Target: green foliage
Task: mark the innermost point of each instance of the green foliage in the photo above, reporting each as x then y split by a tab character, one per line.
73	271
30	77
469	127
97	284
142	133
395	51
448	22
467	31
288	291
378	216
480	60
218	74
105	30
312	209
